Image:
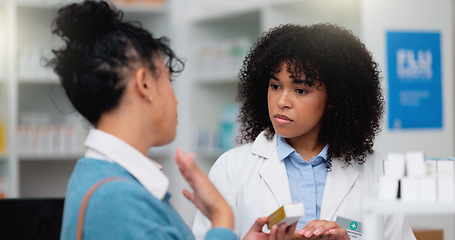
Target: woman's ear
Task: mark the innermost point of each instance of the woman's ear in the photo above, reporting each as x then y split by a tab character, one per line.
144	83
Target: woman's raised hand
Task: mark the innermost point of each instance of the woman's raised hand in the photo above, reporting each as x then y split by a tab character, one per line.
205	196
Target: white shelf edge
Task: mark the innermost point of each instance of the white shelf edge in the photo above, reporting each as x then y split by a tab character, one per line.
50	157
409	208
141	7
223	11
220	79
40	4
44	80
216	10
125	7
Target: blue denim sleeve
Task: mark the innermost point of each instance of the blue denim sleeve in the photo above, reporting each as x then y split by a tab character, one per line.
220	234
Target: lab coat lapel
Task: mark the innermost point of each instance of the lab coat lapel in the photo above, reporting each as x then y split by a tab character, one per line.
338	184
273	171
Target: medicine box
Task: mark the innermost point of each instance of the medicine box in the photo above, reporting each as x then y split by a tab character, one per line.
288	213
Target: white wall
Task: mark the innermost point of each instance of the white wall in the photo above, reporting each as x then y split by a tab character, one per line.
416	15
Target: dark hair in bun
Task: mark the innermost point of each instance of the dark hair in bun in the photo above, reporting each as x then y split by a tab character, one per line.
99	50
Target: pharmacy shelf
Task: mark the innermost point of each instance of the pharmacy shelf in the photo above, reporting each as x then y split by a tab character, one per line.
142	8
374	211
218	79
50	157
136	7
3	63
39	80
209	11
409	208
223	12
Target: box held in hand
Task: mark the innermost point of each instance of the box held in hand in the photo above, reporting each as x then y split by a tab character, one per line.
288	213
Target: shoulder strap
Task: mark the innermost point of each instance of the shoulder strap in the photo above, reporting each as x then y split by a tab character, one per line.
83	208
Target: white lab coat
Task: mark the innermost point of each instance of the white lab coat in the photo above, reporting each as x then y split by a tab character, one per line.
254	182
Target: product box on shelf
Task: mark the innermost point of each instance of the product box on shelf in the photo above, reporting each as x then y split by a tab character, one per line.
413	178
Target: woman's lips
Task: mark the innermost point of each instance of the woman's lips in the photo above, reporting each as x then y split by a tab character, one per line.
282	119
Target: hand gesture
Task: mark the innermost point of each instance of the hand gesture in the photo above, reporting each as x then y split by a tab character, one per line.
205	196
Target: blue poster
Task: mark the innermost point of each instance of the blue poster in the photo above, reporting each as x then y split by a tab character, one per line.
414	74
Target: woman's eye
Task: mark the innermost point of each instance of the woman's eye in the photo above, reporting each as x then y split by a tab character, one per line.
273	86
300	91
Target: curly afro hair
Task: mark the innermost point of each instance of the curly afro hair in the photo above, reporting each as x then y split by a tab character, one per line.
326	54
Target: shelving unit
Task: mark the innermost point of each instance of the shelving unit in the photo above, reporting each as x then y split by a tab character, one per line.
2	44
374	211
4	166
41	107
343	13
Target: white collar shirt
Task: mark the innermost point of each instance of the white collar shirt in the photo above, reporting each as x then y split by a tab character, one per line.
106	147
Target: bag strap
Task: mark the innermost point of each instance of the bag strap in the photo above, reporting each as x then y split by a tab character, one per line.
83	208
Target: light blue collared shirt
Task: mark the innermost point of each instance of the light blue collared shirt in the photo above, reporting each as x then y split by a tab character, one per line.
306	179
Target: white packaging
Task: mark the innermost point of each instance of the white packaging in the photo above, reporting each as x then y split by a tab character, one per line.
431	165
415	164
410	189
288	213
446	188
428	187
394	166
388	188
445	167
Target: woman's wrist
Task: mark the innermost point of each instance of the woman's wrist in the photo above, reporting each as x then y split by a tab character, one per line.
222	217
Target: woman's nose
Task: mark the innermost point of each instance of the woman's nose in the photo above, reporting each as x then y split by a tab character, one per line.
284	101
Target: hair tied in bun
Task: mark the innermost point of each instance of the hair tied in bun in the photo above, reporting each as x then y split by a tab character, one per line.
86	21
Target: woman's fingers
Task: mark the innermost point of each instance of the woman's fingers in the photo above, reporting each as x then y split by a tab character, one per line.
291	229
258	224
273	233
323	228
205	196
282	231
339	233
188	195
185	163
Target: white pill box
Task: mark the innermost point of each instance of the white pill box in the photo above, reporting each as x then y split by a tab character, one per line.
288	213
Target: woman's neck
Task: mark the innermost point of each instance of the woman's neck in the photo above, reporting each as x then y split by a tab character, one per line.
307	148
127	128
